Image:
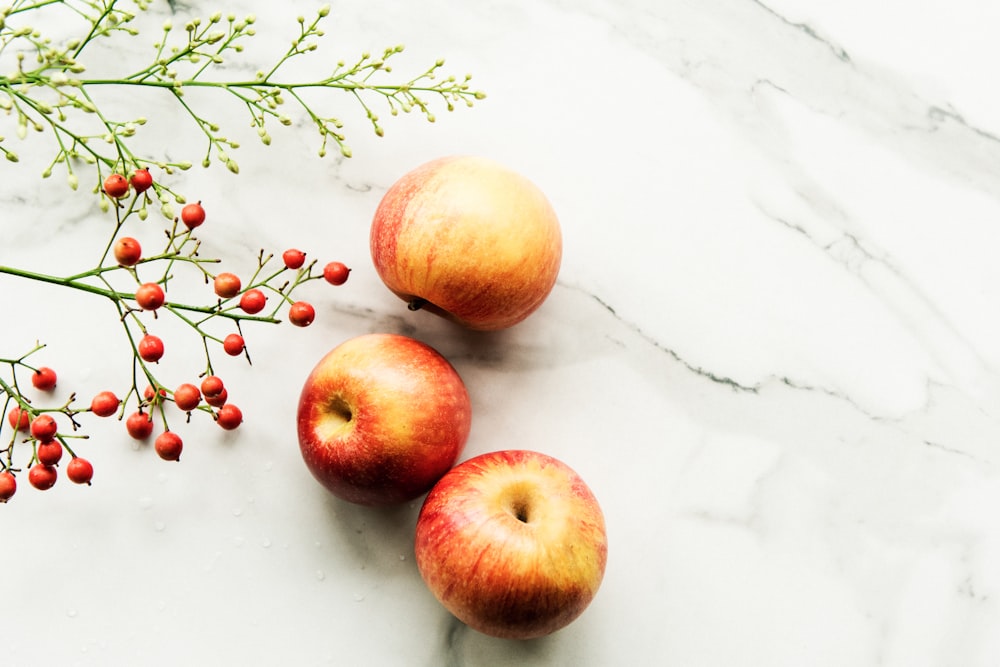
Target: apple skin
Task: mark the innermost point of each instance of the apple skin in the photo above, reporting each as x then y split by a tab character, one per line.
467	239
512	543
381	418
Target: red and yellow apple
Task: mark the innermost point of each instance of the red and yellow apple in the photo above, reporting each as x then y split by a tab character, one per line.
468	239
512	543
381	418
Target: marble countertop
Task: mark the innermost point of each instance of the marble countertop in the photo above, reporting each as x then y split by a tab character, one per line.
772	351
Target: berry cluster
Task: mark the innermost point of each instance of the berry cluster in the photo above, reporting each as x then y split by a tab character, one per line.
49	90
139	307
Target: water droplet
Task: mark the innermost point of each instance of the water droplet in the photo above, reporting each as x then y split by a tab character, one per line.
269	465
237	511
71	613
358	597
266	543
145	502
402	557
159	526
320	575
239	540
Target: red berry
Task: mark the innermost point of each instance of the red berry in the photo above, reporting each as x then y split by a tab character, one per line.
49	453
293	259
139	425
229	417
253	301
127	251
169	445
104	404
193	215
79	471
8	485
150	296
43	428
116	186
152	395
19	419
336	273
218	400
150	348
42	477
187	397
44	379
227	285
141	180
301	314
233	344
212	386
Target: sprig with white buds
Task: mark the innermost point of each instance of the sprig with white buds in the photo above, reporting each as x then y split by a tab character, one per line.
48	90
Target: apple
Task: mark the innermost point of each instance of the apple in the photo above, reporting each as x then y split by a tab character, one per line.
381	418
512	543
468	239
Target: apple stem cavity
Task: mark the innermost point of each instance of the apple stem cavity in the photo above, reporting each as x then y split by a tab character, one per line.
340	409
517	502
337	415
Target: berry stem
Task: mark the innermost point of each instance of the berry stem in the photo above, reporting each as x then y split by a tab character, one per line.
118	296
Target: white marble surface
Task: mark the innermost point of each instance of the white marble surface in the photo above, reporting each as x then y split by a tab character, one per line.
772	352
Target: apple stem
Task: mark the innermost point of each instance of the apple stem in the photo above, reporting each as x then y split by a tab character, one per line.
416	303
